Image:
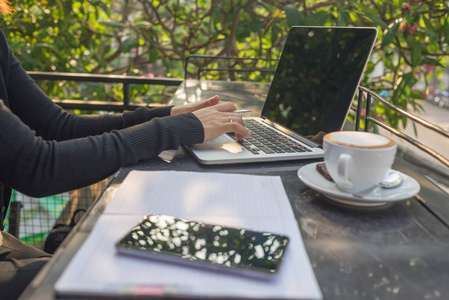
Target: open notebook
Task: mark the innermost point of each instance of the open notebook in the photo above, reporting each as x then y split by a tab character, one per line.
315	82
260	204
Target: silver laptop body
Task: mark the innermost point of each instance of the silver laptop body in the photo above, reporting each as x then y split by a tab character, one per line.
312	90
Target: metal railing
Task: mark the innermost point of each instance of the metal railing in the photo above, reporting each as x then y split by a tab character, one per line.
369	95
104	105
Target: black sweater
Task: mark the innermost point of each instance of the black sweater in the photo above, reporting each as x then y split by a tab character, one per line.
45	151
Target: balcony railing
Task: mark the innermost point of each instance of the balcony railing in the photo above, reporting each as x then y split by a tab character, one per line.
92	104
365	93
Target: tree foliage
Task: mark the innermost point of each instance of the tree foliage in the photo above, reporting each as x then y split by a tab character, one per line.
154	38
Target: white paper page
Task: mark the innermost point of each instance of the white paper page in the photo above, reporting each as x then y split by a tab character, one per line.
247	201
193	194
98	269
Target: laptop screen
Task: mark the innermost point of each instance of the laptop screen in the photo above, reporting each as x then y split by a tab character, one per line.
317	76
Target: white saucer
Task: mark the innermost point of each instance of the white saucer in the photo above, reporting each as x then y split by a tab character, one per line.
373	197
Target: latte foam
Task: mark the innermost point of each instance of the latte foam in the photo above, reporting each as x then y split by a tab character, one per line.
359	139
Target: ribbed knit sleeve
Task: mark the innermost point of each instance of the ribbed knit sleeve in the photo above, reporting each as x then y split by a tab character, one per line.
144	114
21	94
38	167
149	139
45	151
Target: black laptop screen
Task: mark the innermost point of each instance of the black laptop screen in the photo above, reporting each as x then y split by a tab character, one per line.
317	77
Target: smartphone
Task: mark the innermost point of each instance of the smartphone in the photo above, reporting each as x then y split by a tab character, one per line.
200	244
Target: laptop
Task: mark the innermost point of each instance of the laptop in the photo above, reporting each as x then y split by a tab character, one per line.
316	79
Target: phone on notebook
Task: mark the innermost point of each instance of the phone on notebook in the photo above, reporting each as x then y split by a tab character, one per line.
200	244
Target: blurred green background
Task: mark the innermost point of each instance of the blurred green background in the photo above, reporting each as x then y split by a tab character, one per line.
153	39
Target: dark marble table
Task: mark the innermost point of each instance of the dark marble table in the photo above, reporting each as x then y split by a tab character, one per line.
396	251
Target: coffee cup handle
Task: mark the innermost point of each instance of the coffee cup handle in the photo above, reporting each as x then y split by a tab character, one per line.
343	169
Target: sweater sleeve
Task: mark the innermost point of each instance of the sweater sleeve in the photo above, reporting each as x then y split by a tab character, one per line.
38	167
39	112
45	151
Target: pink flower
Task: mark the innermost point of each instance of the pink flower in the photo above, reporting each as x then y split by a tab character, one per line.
151	75
406	6
363	112
402	26
428	68
412	29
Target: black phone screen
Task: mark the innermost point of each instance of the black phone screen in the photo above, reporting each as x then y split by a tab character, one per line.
174	239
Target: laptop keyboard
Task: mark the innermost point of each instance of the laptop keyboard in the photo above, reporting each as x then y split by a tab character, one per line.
264	139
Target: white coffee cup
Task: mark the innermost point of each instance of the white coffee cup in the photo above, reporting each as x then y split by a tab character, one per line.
357	160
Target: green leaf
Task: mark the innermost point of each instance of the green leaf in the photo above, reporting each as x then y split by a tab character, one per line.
216	13
317	19
256	25
154	55
377	21
431	61
415	130
428	24
388	37
143	24
44	45
112	24
401	92
293	15
128	44
247	28
415	94
416	54
404	122
446	31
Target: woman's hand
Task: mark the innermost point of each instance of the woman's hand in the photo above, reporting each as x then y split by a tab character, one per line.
219	118
176	110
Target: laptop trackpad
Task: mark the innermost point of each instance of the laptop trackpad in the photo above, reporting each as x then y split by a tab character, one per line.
223	142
